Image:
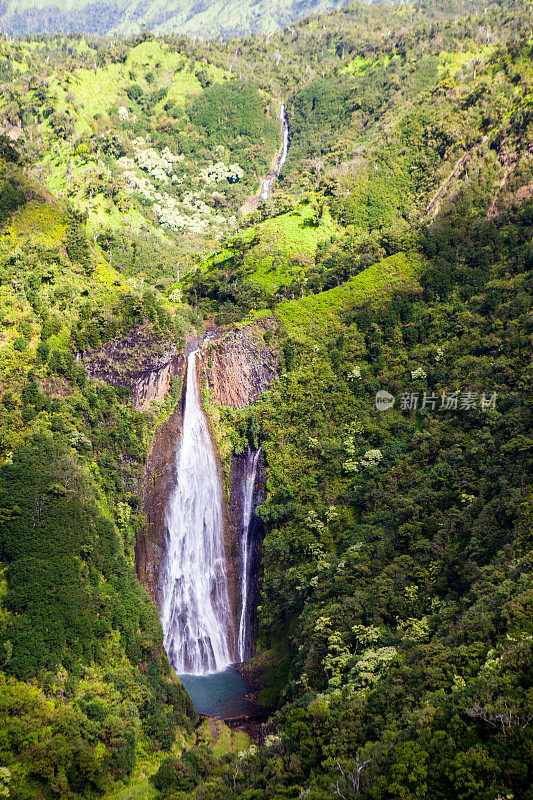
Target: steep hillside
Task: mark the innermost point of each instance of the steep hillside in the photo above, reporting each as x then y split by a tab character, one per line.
86	684
157	148
393	619
389	116
395	609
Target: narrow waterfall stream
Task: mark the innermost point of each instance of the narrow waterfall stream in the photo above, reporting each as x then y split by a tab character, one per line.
266	190
250	475
196	613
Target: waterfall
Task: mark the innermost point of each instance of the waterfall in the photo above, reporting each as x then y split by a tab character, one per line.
266	191
196	614
250	474
285	146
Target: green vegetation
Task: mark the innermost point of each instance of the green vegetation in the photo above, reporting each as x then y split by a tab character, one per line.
41	222
269	261
394	620
138	790
298	232
231	115
86	686
229	741
126	133
288	244
314	313
397	554
386	535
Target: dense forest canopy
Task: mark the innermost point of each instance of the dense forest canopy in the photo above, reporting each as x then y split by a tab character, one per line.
394	627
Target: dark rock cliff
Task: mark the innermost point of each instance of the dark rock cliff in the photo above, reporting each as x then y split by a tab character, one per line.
239	365
140	361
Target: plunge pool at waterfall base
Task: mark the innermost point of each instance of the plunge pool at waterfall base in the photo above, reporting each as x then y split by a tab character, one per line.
221	694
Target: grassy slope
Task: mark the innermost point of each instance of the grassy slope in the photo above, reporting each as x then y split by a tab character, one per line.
286	248
90	97
294	235
310	314
42	222
295	231
142	789
96	92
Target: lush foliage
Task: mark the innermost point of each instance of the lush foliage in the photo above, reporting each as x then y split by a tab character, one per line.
394	623
86	684
397	555
155	162
394	627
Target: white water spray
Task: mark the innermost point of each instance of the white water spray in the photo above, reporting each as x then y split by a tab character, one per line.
196	614
250	474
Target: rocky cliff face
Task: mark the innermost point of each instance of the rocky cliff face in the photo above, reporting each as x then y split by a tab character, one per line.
239	366
158	482
140	361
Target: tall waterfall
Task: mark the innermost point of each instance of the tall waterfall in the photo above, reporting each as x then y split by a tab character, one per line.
250	474
196	613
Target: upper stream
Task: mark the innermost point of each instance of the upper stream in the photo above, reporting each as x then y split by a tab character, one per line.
266	190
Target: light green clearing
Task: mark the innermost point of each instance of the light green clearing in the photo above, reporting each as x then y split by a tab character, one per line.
357	66
229	741
138	790
453	62
96	92
294	233
40	221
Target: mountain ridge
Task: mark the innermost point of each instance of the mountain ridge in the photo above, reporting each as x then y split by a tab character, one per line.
207	19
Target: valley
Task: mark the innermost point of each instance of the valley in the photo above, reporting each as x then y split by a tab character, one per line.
265	403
